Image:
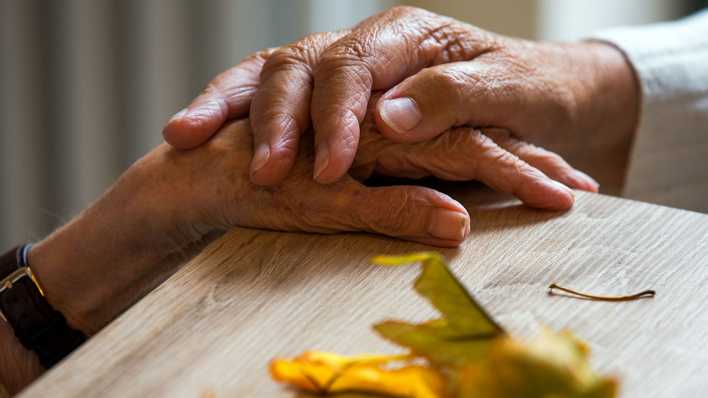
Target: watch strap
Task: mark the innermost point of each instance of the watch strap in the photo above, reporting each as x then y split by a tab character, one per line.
37	325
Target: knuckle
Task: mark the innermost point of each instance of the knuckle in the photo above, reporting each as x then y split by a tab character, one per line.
341	69
291	57
518	147
506	159
260	56
277	122
497	158
348	49
304	53
393	217
341	107
211	89
452	82
451	41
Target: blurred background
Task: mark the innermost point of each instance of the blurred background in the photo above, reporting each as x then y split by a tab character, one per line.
86	85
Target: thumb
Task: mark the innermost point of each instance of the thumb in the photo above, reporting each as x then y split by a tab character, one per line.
410	212
438	98
226	97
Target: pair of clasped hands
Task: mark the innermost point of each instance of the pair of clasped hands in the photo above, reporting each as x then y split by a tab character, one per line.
283	140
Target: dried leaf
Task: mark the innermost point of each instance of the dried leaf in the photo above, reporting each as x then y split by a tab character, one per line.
326	373
463	354
465	329
552	365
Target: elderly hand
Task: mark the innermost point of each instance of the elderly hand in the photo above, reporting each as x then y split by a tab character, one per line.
536	176
171	203
569	97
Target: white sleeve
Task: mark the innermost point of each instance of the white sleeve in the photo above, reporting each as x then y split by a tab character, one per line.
669	160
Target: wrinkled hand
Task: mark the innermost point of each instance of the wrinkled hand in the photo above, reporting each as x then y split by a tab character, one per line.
172	202
536	176
579	97
217	173
214	180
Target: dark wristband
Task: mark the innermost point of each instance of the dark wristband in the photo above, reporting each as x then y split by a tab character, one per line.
38	326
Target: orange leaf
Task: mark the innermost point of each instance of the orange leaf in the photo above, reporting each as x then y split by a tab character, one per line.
392	375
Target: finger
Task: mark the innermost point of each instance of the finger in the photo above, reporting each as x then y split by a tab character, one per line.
408	212
379	52
466	154
548	162
280	111
441	97
226	97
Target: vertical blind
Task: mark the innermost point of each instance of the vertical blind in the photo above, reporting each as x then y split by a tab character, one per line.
86	85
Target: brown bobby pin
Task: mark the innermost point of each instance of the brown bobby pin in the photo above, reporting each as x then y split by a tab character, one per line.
640	295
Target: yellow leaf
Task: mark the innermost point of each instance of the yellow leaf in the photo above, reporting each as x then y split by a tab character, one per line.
325	373
463	354
406	259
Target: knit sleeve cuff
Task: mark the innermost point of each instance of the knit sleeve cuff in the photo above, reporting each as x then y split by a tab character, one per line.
669	58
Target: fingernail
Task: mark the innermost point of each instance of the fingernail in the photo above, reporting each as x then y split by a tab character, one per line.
321	160
448	224
260	158
584	181
401	114
178	115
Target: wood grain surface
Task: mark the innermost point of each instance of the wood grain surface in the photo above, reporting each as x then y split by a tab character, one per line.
254	295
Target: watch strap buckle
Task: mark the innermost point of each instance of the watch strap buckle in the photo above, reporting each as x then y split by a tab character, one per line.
9	281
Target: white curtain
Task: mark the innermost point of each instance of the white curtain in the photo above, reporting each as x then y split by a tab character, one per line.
86	85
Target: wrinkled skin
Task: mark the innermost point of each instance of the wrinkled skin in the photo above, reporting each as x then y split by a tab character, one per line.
492	156
572	98
221	181
172	202
226	198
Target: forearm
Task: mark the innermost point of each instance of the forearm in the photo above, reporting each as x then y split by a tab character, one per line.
89	269
608	102
113	253
105	259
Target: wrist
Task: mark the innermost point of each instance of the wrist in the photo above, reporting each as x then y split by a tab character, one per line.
110	255
605	102
615	92
604	92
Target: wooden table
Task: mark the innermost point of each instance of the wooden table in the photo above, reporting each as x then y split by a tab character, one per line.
254	295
